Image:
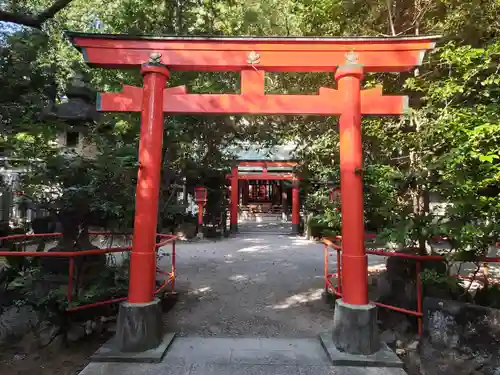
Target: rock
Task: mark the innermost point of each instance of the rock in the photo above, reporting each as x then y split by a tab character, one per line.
383	287
75	333
16	322
46	333
388	336
400	351
19	357
472	328
459	339
89	327
413	363
186	231
110	327
56	344
413	345
402	328
106	319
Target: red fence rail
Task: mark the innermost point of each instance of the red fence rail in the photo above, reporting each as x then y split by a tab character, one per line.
335	244
22	240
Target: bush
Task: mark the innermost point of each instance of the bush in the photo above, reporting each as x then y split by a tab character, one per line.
327	224
47	294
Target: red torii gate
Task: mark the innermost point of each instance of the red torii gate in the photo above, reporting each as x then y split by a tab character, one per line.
347	58
234	178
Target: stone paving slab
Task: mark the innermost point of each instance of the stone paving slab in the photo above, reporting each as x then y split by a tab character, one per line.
231	369
238	356
385	357
109	352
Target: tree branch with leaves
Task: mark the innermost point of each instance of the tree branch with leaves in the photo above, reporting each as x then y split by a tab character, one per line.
35	21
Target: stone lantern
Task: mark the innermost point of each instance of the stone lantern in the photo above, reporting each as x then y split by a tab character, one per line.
77	112
80	107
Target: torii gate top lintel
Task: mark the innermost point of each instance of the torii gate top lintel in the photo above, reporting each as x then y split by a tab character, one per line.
253	57
298	54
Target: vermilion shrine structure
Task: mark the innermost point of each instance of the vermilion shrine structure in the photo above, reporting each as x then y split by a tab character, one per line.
348	59
272	192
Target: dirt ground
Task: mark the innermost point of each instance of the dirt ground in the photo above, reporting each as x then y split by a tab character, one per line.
20	358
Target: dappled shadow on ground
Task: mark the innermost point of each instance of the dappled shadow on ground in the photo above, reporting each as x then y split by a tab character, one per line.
300	298
269	286
253	284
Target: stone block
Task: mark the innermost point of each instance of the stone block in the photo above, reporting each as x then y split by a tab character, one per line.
355	329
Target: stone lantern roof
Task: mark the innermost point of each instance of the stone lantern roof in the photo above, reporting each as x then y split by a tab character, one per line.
79	109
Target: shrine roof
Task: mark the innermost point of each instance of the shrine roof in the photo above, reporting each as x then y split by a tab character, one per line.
255	152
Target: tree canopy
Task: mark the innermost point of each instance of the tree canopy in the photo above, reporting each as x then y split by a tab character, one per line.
448	145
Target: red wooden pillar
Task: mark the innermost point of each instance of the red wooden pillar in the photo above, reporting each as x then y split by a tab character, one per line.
295	208
234	200
143	256
200	197
245	191
201	208
354	261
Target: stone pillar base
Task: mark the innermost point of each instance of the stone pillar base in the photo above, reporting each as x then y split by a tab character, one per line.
355	328
139	335
233	228
295	228
139	326
355	339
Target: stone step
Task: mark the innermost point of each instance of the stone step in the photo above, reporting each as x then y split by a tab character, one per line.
239	356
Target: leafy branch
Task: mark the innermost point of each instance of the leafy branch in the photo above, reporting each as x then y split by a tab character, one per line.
35	21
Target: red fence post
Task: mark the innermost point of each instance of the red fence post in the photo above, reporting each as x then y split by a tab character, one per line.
234	200
173	264
325	260
295	208
70	278
419	297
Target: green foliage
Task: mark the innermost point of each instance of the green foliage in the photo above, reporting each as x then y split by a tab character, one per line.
441	285
49	298
50	304
447	146
111	284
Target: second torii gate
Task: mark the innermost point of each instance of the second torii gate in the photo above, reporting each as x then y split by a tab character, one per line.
348	59
235	177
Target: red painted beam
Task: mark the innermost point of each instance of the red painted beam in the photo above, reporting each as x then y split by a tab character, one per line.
267	176
327	103
274	54
264	163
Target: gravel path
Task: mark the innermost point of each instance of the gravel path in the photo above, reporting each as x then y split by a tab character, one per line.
253	284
